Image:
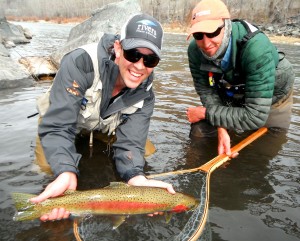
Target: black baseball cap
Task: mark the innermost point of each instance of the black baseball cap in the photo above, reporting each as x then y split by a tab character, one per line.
142	31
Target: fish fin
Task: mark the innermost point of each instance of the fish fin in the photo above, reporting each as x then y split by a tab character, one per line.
25	209
117	185
168	216
118	220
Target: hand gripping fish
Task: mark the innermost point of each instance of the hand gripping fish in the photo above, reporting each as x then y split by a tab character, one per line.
115	199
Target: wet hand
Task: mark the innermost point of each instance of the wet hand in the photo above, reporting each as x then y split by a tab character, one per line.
63	182
234	155
154	214
224	143
143	181
56	214
195	114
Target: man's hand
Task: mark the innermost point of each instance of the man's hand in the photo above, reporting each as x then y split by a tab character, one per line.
195	114
143	181
224	143
63	182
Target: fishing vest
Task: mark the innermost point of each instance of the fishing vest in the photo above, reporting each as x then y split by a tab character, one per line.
89	117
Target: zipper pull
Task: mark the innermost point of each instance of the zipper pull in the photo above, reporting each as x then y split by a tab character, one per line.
211	79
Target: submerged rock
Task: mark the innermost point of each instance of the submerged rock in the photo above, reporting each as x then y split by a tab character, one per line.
40	68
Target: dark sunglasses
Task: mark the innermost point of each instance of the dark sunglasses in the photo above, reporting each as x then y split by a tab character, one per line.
199	36
133	56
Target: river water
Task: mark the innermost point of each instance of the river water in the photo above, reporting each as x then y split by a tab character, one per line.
256	197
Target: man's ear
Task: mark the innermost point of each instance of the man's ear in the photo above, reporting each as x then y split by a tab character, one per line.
117	48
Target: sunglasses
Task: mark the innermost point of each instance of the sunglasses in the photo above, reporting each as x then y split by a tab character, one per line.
199	36
133	56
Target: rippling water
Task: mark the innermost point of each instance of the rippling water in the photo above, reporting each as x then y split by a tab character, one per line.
256	197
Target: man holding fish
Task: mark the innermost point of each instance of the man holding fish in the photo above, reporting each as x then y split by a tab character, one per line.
105	86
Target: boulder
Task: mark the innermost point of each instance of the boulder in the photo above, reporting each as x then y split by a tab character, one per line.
13	33
41	68
108	19
3	51
12	74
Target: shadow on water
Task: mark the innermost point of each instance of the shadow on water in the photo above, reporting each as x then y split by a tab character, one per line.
255	197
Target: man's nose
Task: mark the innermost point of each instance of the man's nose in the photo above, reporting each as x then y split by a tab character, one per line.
140	64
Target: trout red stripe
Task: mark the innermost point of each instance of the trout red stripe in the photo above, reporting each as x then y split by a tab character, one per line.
110	206
180	208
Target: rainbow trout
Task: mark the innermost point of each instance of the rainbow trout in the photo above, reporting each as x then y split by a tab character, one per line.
115	199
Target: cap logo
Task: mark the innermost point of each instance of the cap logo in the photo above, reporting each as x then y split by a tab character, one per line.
146	26
202	13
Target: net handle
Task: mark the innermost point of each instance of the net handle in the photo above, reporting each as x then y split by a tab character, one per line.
218	160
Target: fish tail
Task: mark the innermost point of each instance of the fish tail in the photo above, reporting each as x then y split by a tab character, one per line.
26	216
25	209
22	201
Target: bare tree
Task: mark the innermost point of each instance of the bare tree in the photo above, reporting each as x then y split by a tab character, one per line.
166	11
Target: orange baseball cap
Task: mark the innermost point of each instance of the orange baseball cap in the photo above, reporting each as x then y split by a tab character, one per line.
207	16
